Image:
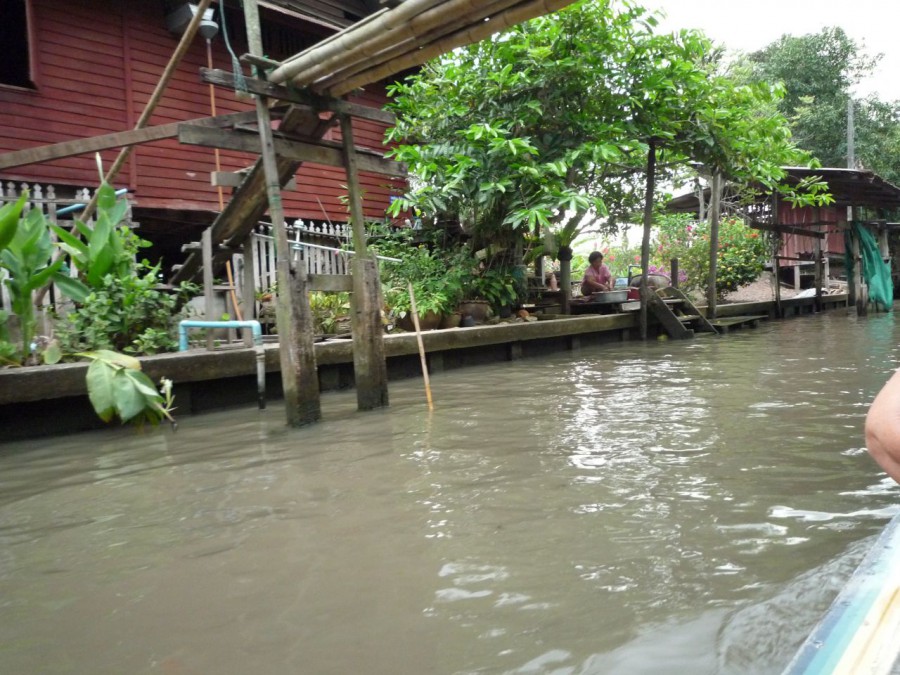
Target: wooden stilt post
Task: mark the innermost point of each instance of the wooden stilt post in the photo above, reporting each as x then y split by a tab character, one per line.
208	295
776	270
299	375
248	297
817	252
369	365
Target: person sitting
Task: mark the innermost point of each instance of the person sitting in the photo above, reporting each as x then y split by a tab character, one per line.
883	428
597	276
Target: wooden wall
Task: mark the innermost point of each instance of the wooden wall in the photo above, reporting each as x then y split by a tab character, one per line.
96	65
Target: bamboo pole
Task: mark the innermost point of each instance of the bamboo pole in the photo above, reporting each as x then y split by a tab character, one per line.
518	14
189	33
415	317
464	12
221	195
404	46
350	37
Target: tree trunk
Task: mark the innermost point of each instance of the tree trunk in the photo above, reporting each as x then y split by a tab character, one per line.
645	242
565	277
715	202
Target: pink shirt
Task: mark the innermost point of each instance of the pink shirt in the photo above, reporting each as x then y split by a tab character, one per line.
600	276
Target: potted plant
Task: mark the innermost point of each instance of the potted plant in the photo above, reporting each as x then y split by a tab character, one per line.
435	282
498	287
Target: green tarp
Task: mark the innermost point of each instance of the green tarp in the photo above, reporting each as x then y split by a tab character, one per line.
875	271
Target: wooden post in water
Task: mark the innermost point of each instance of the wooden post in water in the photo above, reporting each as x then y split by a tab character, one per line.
369	364
817	252
715	208
776	270
673	269
299	375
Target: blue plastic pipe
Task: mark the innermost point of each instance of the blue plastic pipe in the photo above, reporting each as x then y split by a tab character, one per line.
77	207
192	323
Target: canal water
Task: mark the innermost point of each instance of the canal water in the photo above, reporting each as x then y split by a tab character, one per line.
671	507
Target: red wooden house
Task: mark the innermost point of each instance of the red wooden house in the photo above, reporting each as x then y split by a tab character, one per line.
873	202
74	70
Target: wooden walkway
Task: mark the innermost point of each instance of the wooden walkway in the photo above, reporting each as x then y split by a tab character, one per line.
736	322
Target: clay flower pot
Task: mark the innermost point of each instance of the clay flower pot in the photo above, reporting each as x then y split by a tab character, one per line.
477	309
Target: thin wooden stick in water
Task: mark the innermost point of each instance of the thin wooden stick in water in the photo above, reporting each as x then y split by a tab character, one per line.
415	317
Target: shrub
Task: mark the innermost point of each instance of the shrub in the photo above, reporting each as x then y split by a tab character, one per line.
126	314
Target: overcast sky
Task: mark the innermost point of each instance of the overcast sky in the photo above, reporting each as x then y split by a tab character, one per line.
751	25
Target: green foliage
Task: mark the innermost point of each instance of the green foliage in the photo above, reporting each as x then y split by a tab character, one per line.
328	309
436	276
118	389
26	259
9	220
107	248
818	72
740	260
501	286
529	129
128	314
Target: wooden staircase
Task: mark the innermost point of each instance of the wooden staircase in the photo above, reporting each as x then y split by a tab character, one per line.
677	314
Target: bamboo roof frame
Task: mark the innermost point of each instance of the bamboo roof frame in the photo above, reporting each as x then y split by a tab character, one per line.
398	39
387	42
441	28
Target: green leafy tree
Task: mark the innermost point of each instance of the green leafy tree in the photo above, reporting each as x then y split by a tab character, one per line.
818	72
527	130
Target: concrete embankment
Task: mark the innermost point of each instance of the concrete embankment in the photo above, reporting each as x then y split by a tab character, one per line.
47	400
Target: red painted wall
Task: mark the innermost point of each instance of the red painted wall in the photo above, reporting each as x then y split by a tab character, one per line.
96	64
829	219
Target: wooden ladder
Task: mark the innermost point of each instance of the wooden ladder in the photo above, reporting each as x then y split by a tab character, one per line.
677	314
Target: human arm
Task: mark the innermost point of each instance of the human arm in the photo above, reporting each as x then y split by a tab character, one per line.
594	280
883	428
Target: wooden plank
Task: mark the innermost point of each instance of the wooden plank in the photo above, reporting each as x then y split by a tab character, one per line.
298	151
331	283
667	318
787	229
119	139
261	87
235	178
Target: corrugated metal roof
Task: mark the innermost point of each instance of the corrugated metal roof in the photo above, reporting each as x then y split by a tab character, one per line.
849	187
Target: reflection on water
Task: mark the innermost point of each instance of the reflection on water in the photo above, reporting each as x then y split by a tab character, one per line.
660	508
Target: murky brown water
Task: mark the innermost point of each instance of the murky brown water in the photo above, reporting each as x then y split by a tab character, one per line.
668	508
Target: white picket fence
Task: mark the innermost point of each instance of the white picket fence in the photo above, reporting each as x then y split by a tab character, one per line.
51	204
316	245
316	249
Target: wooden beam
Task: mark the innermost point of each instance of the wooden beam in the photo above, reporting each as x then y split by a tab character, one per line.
330	282
224	78
250	201
787	229
81	146
295	150
234	178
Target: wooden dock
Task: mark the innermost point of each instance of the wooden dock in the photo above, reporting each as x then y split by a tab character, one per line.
736	322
